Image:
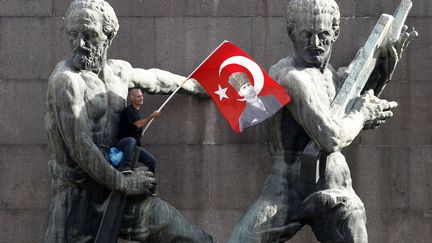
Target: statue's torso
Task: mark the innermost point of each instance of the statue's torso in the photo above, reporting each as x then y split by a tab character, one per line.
287	138
101	101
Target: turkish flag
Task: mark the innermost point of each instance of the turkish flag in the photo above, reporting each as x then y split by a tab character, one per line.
241	89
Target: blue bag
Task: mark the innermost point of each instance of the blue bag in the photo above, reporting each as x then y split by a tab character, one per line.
115	156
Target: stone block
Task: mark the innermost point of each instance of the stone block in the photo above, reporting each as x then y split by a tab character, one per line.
24	177
395	225
421	8
216	8
24	226
418	54
183	175
274	8
26	8
376	8
125	7
135	42
183	43
22	109
419	185
381	175
278	7
218	223
270	41
236	172
347	7
31	47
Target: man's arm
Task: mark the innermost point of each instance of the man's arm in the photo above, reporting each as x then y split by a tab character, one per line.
66	103
143	122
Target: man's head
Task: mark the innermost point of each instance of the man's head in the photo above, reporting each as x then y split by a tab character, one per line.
313	27
241	83
91	25
136	97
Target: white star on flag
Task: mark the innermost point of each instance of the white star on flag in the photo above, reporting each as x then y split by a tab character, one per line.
222	93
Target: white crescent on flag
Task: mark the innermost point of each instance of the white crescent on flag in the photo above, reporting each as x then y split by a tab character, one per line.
254	69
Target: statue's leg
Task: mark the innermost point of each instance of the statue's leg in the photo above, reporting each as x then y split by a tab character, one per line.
345	223
153	220
265	219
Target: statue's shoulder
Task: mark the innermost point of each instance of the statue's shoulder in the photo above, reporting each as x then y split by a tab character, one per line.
286	73
282	69
117	65
64	78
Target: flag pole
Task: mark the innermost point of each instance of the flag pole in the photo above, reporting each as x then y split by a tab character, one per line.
180	86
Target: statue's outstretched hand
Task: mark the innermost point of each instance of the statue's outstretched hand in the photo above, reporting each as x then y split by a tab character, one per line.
392	53
375	110
141	182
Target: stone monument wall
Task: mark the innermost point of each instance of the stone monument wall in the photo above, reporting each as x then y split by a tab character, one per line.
206	170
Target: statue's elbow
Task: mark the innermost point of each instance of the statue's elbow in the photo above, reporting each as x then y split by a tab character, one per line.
332	145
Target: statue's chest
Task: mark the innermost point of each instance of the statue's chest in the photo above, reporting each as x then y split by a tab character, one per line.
103	99
324	87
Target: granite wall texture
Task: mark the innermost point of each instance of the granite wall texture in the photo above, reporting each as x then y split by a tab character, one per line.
208	172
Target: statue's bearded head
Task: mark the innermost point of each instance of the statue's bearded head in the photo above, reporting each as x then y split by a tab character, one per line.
91	25
313	27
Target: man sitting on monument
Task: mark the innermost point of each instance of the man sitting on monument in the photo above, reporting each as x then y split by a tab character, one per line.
85	96
130	130
258	108
289	199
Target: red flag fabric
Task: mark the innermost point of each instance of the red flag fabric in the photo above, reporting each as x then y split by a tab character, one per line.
241	89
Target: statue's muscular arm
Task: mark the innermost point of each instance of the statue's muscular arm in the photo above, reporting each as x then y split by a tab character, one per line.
159	81
331	134
67	104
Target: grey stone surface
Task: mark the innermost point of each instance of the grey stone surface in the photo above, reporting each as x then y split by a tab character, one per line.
397	225
230	167
196	38
347	7
419	185
381	175
420	50
421	8
411	122
216	8
126	7
205	176
270	44
23	225
186	163
30	47
24	178
26	8
273	7
140	42
375	8
21	123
